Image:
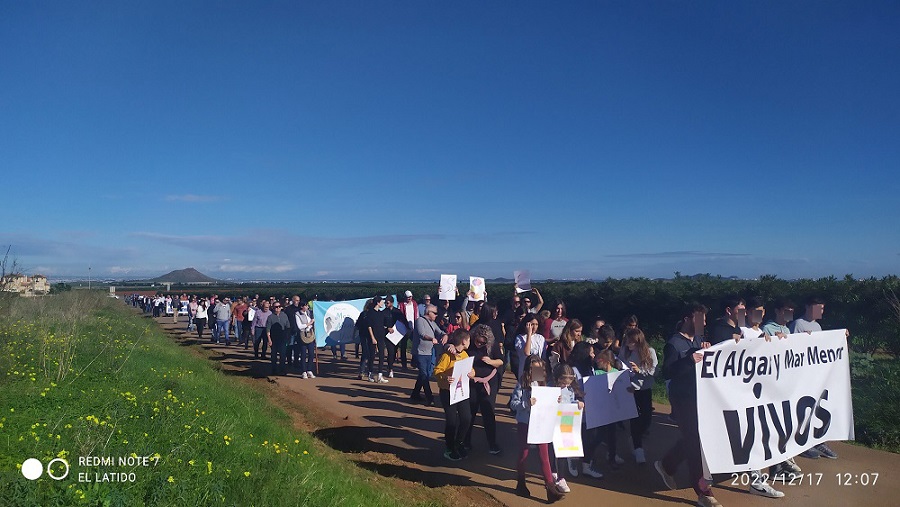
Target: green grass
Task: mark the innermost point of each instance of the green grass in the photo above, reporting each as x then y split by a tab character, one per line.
875	383
80	375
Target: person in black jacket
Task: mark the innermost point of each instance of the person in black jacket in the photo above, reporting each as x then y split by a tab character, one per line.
293	342
377	324
681	353
394	316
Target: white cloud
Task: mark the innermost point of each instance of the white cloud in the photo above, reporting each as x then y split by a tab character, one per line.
260	268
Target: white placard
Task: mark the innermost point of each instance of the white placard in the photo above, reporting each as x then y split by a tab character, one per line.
543	420
459	388
447	289
567	435
398	334
764	402
476	288
523	280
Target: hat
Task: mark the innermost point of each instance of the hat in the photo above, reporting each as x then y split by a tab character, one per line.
408	294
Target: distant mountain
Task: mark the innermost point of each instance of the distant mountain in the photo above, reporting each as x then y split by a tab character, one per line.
189	275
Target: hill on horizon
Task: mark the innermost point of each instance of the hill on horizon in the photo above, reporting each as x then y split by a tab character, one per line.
189	275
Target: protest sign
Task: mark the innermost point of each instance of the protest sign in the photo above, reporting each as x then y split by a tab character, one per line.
459	389
567	434
476	288
543	420
523	280
398	334
447	289
336	320
607	400
764	402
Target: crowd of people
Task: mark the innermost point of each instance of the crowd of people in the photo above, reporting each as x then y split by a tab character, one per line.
539	347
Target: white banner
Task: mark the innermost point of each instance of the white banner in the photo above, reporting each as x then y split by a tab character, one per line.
607	399
759	402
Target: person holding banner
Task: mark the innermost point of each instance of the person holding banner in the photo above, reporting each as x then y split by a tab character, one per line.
306	340
457	416
534	374
681	353
778	327
808	323
362	332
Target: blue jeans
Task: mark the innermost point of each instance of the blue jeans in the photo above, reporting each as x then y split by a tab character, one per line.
221	327
425	365
307	355
259	337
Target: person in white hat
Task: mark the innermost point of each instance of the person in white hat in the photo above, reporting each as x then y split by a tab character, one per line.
410	310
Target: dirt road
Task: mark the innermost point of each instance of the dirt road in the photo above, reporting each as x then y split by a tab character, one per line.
394	437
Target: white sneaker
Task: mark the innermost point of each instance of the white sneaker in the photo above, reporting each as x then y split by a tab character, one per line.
573	466
304	375
391	374
381	379
619	460
763	489
561	484
791	466
639	457
668	480
371	378
707	501
589	471
309	374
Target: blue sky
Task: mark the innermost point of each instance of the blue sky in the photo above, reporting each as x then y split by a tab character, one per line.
385	140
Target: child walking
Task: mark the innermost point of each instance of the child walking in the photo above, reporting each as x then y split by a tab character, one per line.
564	378
458	416
534	373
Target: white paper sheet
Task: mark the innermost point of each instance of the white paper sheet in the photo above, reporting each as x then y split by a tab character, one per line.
398	334
459	388
447	290
523	280
543	420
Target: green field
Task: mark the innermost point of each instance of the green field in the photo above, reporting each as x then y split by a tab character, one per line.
83	375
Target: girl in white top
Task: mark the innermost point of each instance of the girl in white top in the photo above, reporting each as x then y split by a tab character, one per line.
529	342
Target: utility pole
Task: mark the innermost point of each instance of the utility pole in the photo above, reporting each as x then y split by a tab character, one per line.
89	278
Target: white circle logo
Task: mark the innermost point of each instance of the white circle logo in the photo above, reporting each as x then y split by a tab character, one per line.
60	477
32	469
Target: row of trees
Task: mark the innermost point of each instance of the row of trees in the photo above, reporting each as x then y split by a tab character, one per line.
869	307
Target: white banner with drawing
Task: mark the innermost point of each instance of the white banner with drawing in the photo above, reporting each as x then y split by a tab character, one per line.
761	402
